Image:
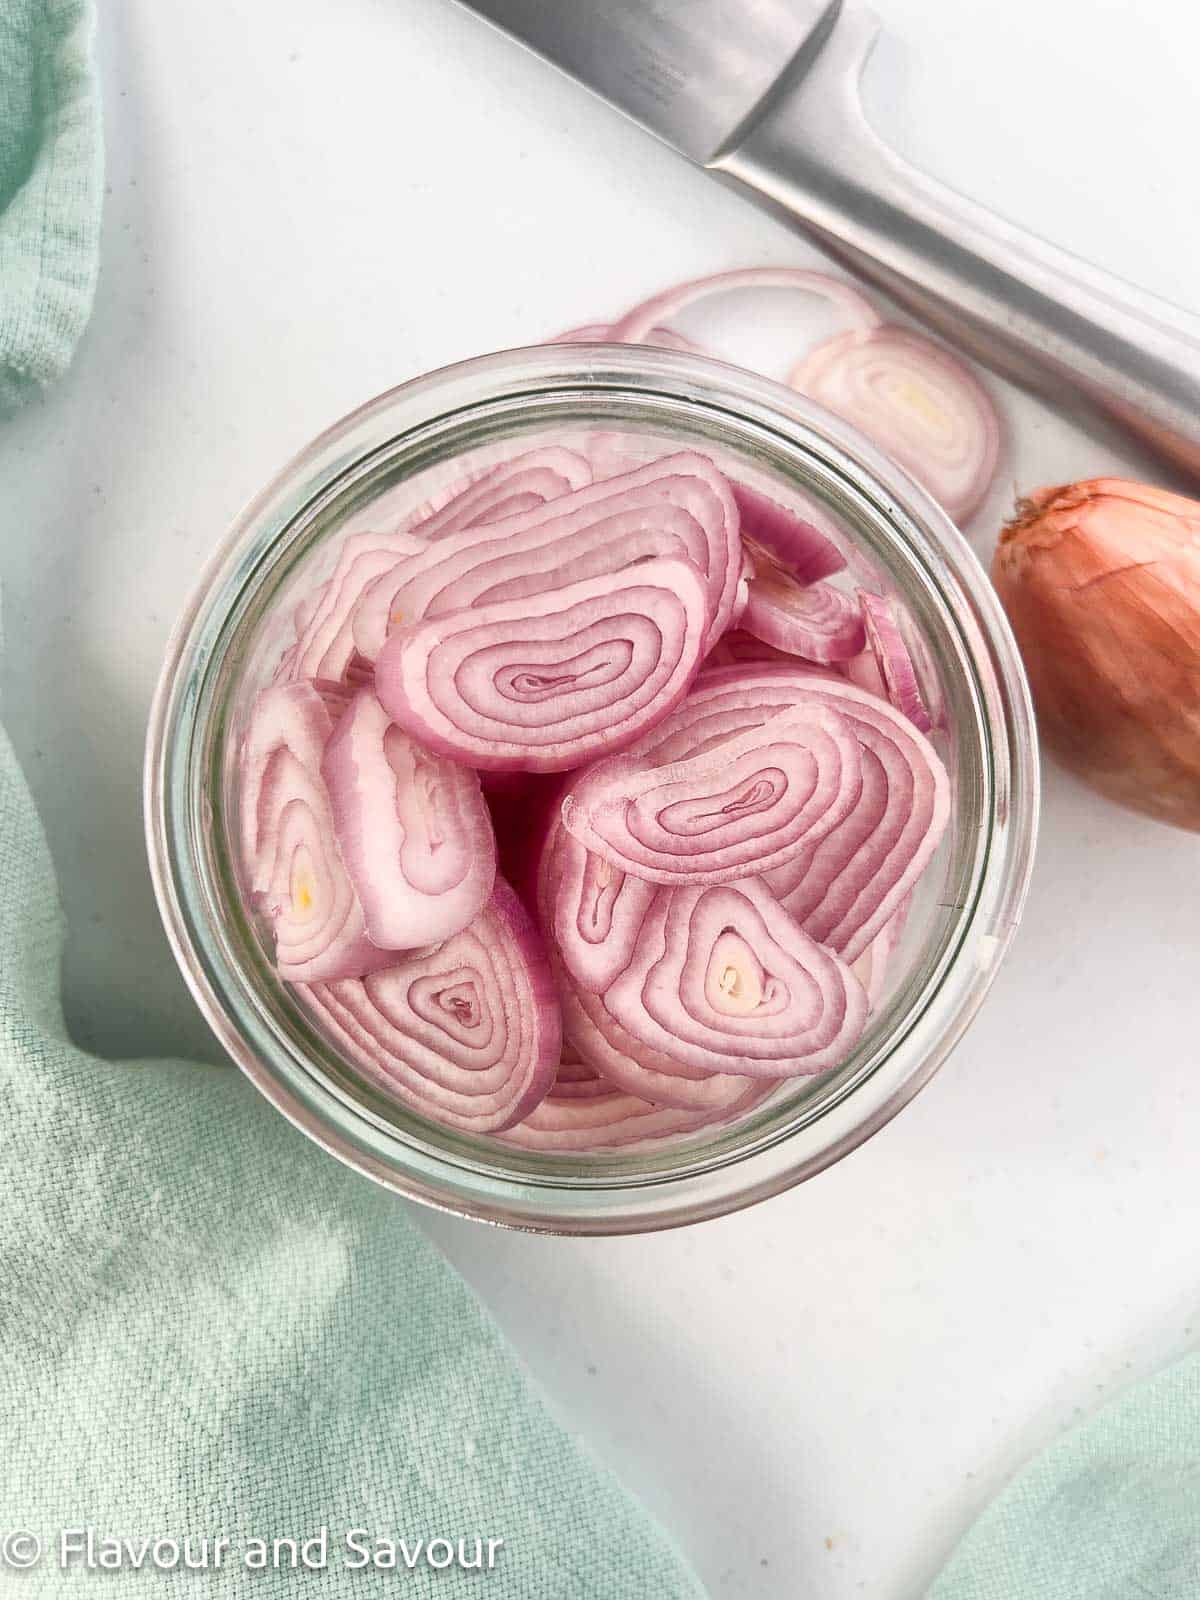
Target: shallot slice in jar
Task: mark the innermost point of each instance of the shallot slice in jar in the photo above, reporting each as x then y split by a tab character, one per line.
507	489
547	682
733	810
843	889
678	506
686	1000
917	402
413	829
290	720
590	910
289	850
736	646
325	622
467	1035
806	551
629	1063
325	649
863	671
585	1112
873	966
816	621
724	979
895	662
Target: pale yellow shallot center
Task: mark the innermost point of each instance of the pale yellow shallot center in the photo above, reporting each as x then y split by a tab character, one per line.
922	402
304	885
735	982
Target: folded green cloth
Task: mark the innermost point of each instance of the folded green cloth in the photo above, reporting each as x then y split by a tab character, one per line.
1109	1512
208	1326
50	189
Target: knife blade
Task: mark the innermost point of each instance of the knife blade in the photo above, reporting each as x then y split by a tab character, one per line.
764	94
691	71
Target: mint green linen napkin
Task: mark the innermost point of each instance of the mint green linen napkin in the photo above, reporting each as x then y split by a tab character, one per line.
1109	1512
50	189
209	1326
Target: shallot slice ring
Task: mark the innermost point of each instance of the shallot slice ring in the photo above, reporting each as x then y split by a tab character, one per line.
846	887
678	505
412	827
723	979
893	658
636	324
467	1035
585	1112
915	400
736	811
546	683
817	621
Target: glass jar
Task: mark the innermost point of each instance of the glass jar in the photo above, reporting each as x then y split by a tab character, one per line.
392	454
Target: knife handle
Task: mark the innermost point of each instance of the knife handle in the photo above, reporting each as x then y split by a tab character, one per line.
1028	309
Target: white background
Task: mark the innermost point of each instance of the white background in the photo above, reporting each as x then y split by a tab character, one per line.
311	200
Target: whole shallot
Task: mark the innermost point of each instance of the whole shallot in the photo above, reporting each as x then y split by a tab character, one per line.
1101	581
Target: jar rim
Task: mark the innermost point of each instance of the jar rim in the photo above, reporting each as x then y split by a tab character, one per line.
526	1197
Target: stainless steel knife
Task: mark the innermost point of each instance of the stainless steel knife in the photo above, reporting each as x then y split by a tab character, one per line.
764	95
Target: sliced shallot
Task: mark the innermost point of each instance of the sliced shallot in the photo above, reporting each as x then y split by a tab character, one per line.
734	810
802	548
916	401
413	829
287	720
325	649
816	621
546	682
635	325
871	968
724	978
584	1111
289	849
678	506
522	484
892	656
629	1063
468	1035
591	910
720	981
845	888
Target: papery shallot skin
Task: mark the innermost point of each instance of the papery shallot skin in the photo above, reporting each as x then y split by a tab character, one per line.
412	827
467	1035
289	850
547	682
1101	582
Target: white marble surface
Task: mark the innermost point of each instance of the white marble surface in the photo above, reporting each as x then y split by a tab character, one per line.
314	199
